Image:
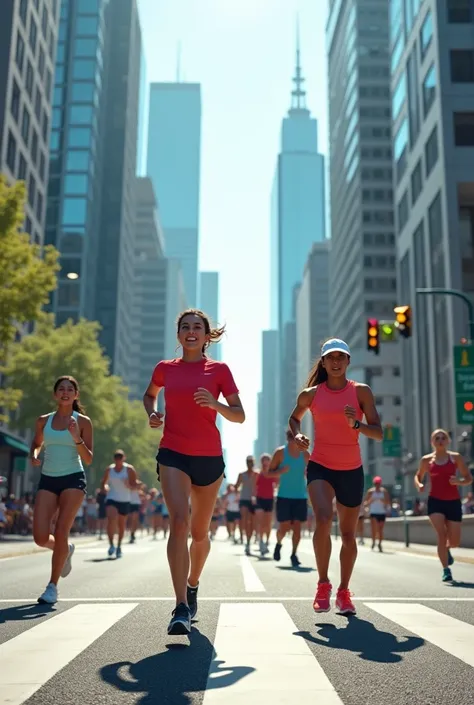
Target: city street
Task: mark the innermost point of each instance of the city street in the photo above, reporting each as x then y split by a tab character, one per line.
255	638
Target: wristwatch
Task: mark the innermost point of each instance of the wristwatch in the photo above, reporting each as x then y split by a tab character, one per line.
356	425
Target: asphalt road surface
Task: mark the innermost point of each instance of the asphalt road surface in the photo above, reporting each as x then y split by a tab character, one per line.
255	640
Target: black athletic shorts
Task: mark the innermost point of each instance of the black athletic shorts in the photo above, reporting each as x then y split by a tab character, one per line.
348	485
202	469
451	508
232	516
56	485
266	505
123	508
248	504
291	509
134	508
379	517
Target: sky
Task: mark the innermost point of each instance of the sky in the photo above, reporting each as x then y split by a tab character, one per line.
242	52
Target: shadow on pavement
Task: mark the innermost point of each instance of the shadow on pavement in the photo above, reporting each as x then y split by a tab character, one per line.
107	559
167	677
297	569
461	584
364	638
24	613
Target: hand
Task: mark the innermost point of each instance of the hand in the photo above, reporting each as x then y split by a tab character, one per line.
203	397
420	487
302	441
350	414
74	430
36	462
453	480
155	420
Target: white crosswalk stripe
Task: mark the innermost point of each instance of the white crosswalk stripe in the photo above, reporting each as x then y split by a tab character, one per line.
261	656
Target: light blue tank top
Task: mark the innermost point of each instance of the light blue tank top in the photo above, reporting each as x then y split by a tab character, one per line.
60	451
293	483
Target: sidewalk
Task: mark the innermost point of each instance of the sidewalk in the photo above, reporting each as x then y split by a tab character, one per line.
13	545
461	555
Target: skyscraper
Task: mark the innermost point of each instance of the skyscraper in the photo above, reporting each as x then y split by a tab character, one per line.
363	277
433	148
209	302
28	36
143	114
173	164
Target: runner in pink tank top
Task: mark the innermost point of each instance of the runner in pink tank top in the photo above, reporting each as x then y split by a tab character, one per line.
338	406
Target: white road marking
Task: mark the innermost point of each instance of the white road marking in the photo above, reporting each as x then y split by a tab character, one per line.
251	580
30	659
273	665
448	633
275	598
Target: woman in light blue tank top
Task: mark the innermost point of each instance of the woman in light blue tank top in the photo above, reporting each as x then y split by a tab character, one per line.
66	436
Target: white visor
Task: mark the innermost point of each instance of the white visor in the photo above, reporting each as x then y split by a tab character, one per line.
335	345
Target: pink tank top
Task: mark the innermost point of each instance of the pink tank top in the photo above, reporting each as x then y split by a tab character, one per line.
336	445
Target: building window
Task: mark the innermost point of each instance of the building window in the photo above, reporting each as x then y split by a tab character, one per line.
28	225
31	190
416	183
69	294
81	114
45	126
83	92
42	166
38	103
400	149
396	372
413	85
459	11
70	265
29	79
20	51
431	151
11	152
15	100
57	120
429	89
59	74
87	7
399	96
84	69
397	401
85	47
464	129
79	137
51	43
23	11
39	207
41	62
34	146
76	184
403	212
21	167
25	125
426	35
74	211
462	65
44	22
48	84
54	140
33	35
77	160
88	26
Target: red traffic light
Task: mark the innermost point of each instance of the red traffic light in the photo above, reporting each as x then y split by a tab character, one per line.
468	406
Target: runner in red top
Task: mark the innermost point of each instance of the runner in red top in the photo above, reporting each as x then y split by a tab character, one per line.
444	501
337	405
265	490
190	462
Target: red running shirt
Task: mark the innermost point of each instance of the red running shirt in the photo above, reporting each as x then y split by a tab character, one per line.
265	486
189	428
440	486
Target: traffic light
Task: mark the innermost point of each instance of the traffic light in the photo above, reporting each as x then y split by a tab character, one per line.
388	332
373	335
468	406
403	320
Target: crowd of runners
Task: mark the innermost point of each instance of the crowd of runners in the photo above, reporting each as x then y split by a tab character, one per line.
301	484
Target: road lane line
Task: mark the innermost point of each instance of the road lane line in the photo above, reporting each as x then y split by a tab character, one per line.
259	658
275	598
448	633
30	659
251	580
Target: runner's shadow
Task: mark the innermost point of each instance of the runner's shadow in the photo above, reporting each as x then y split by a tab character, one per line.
25	613
297	569
461	584
364	638
168	677
108	559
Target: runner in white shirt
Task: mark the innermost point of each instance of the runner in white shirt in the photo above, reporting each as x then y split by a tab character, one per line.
231	503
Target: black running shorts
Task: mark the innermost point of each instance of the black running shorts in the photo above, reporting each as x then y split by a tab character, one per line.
123	508
451	508
266	505
288	509
56	485
202	469
348	485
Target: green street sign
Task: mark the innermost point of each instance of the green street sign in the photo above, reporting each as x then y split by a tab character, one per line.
464	383
392	442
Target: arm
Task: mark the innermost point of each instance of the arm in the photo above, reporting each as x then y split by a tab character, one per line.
132	478
232	411
373	428
421	472
86	447
239	482
105	480
149	402
388	501
274	469
303	403
368	498
37	442
466	477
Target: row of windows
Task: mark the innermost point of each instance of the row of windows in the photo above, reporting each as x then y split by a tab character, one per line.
45	73
379	307
431	157
77	137
385	217
377	195
379	239
379	261
380	284
35	197
376	153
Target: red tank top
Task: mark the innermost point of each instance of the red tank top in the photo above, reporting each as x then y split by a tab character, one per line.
439	475
336	445
265	486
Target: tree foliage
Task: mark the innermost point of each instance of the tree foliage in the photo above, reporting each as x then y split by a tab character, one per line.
73	349
27	276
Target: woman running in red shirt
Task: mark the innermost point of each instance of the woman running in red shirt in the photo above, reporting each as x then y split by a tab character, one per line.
265	491
337	405
444	501
190	462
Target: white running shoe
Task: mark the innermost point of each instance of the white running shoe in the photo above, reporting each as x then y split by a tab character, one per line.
68	564
49	596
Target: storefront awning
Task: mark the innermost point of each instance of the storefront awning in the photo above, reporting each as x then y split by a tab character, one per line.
16	444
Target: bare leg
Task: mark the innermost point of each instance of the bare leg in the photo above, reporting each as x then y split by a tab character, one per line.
296	535
203	500
439	524
348	517
321	494
46	505
69	504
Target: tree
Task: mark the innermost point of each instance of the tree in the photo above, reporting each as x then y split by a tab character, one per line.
27	276
73	349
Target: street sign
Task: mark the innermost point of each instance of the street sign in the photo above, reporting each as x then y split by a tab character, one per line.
464	383
392	442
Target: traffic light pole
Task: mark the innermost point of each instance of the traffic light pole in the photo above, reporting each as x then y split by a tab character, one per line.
459	295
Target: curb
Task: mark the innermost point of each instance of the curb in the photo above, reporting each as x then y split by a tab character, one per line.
416	552
35	549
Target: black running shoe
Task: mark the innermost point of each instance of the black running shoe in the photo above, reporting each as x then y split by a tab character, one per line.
192	597
295	562
180	621
277	552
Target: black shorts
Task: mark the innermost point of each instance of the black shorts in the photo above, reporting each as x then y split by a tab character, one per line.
134	508
102	512
248	504
232	516
56	485
451	508
202	469
123	508
380	518
348	485
266	505
291	509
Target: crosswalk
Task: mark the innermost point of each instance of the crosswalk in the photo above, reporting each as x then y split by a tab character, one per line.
246	651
